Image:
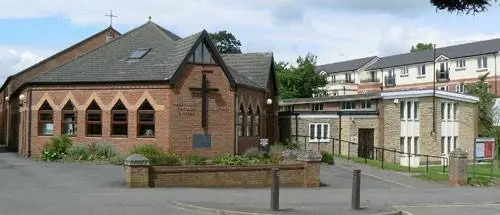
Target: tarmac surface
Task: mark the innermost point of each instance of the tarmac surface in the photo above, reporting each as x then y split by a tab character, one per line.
30	187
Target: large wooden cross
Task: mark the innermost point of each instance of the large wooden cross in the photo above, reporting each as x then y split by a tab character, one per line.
204	96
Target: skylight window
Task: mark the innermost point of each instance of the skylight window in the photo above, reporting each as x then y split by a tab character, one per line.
139	53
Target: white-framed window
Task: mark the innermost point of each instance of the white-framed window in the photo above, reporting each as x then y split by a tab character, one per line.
448	144
449	111
460	88
366	104
319	132
482	62
460	63
421	70
350	105
443	88
317	107
404	71
408	110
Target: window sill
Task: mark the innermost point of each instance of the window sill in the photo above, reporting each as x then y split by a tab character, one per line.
319	141
420	76
119	136
482	70
460	69
93	136
146	137
45	135
403	75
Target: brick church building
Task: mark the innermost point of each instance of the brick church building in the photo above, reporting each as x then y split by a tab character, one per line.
146	86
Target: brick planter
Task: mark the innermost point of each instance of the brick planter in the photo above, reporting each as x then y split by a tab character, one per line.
303	173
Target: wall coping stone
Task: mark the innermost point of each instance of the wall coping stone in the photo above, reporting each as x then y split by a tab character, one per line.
225	168
136	160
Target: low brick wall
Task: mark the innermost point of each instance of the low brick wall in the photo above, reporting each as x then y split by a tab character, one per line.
300	174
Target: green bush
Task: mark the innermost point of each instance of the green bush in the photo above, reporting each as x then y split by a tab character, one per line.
196	160
146	150
102	151
79	152
156	156
57	148
234	160
327	157
167	159
256	154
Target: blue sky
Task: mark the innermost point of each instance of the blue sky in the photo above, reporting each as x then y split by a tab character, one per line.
334	30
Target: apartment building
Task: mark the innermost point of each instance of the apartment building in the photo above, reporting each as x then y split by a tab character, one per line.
404	121
447	68
342	76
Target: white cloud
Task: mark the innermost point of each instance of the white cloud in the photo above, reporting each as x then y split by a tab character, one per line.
15	59
333	30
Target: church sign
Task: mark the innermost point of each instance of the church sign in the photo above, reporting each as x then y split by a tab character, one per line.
202	141
484	148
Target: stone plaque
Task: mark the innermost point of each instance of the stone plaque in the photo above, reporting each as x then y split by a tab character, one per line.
202	141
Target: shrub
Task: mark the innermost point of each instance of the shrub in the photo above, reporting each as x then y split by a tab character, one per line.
146	150
196	160
327	157
254	152
79	152
165	158
56	149
102	151
234	160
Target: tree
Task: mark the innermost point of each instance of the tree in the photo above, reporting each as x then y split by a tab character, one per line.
485	105
461	6
299	81
421	47
226	42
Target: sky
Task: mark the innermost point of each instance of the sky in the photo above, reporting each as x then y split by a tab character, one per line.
333	30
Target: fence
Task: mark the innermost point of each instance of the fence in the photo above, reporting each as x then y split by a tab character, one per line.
377	156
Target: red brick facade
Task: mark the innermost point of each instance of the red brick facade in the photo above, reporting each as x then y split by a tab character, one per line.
177	113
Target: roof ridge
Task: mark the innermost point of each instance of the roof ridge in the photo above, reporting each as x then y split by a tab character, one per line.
166	32
370	57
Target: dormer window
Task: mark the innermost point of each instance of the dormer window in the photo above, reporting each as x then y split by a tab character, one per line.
139	53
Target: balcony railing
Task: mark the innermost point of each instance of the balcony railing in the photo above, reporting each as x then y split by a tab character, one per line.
442	75
342	82
390	81
368	80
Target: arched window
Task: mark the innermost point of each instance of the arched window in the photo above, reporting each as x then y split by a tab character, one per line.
146	120
45	120
257	123
69	119
249	122
240	126
94	120
119	123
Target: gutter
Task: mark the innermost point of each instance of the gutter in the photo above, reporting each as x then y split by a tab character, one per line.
29	122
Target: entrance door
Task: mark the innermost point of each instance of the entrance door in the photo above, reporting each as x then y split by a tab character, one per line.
365	138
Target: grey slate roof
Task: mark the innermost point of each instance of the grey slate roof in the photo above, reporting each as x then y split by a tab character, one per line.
252	68
344	66
111	63
456	51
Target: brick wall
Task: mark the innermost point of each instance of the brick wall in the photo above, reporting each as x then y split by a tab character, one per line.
132	97
291	175
187	112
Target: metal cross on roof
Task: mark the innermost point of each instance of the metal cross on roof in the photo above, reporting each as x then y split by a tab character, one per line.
111	16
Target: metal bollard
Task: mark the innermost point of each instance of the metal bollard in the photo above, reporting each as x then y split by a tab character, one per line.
356	183
275	189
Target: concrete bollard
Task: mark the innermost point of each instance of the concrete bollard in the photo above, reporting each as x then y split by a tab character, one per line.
356	184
